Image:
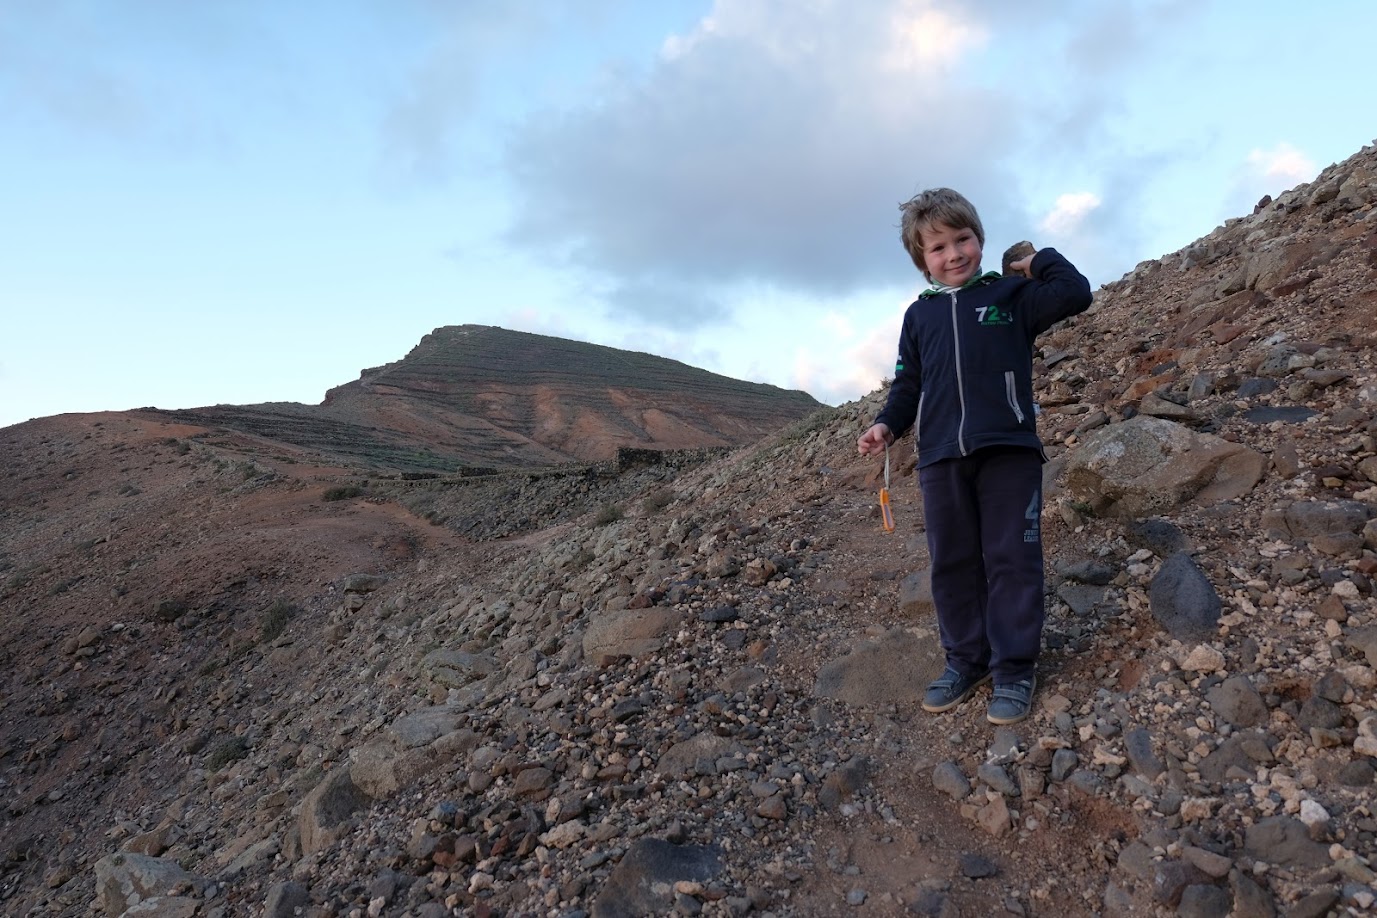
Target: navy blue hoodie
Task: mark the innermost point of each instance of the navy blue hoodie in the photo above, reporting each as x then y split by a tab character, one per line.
965	370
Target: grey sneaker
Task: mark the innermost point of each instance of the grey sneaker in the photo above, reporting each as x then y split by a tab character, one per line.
1012	702
950	689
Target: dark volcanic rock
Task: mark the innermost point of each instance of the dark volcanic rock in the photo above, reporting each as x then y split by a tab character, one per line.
1284	840
1183	599
643	882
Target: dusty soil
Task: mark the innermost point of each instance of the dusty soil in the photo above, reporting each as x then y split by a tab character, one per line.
127	526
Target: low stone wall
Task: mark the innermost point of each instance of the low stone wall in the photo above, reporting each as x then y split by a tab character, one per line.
627	459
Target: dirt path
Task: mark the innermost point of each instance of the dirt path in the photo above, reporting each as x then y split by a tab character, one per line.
904	847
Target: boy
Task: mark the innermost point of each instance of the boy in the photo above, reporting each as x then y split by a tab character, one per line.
964	381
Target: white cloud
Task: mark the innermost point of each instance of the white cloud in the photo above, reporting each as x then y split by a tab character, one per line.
838	326
1283	165
927	39
1069	213
1265	172
834	370
916	35
419	131
537	322
770	144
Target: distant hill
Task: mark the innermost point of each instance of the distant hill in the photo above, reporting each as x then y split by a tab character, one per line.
477	396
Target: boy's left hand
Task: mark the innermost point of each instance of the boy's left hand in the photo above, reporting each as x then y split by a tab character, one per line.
1023	266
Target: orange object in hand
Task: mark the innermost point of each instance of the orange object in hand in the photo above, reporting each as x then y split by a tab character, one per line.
886	514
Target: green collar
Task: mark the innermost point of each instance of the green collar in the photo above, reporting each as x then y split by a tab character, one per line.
978	280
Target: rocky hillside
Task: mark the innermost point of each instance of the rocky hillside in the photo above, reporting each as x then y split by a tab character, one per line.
473	396
239	685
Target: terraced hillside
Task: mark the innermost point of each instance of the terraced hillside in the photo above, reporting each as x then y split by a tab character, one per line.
474	395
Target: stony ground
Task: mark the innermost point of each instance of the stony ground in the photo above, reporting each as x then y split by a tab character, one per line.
237	683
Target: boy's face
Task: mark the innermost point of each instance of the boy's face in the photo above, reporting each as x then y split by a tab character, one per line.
952	255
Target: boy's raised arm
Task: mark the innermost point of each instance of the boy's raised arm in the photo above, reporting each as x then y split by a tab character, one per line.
1058	290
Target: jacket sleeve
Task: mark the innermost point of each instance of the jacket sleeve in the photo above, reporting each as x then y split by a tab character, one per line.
1057	291
901	408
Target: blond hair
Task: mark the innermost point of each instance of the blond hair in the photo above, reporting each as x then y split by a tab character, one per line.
936	205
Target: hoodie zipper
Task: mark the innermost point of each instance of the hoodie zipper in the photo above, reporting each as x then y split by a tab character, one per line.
960	380
1012	394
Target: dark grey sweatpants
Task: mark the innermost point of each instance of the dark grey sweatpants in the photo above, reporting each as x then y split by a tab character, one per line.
983	513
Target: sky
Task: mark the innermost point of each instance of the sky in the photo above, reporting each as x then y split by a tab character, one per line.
245	201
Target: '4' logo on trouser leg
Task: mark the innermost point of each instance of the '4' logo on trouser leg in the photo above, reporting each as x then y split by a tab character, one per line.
1034	517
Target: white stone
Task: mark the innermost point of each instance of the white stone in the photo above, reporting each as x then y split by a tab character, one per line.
1359	675
1195	809
563	835
1312	814
1203	659
1366	743
1104	757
